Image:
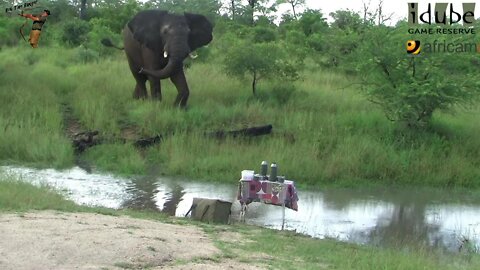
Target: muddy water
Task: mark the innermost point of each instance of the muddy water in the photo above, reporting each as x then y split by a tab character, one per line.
380	217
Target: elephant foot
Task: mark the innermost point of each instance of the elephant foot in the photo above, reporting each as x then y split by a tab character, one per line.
157	97
179	105
140	96
181	101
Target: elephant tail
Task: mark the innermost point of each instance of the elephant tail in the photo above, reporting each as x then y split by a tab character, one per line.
108	43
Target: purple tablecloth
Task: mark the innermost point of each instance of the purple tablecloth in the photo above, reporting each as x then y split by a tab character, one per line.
269	192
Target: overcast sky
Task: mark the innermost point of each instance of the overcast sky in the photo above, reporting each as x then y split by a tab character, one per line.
398	7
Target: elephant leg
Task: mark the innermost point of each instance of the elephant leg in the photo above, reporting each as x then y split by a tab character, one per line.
180	82
140	91
155	88
133	52
150	61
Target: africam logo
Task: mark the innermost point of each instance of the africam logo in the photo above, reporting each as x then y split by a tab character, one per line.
414	47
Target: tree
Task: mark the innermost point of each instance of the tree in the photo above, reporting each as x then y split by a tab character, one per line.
8	32
260	6
377	16
312	21
62	10
342	39
263	34
411	89
259	61
346	19
252	4
74	32
99	31
382	18
115	14
83	10
235	7
208	8
294	4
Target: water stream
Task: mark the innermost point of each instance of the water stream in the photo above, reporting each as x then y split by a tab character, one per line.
430	217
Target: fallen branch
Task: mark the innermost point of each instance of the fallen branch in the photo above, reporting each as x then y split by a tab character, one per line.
246	132
83	140
146	142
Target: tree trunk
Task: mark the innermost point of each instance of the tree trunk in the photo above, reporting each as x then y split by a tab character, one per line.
294	12
380	12
233	9
83	10
252	7
365	12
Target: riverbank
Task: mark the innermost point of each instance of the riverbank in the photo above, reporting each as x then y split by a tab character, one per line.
324	132
59	228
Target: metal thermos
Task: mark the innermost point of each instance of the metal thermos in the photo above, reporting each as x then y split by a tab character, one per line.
264	168
273	172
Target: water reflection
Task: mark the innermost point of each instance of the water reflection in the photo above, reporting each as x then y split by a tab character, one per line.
172	195
142	192
380	217
406	225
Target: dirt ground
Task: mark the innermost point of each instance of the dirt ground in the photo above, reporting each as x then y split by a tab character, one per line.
51	240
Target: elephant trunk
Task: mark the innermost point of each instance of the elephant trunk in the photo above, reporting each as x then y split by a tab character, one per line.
174	65
179	51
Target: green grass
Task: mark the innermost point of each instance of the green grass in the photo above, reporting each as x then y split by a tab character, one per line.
287	250
325	132
16	195
30	118
121	158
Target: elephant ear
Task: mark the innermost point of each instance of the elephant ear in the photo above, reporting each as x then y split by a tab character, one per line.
200	30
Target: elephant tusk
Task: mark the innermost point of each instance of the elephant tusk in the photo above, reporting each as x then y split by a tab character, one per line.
165	54
193	55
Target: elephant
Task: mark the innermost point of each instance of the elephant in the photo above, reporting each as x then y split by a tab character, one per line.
156	42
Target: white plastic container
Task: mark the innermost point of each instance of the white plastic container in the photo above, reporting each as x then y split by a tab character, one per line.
247	175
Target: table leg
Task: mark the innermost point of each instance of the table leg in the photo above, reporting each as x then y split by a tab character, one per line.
243	210
283	215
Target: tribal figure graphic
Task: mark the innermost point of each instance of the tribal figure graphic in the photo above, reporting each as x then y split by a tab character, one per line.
38	22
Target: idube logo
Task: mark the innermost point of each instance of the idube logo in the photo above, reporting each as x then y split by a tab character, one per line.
413	47
444	13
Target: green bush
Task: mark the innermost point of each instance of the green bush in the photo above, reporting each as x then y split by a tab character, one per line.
259	61
9	35
75	32
100	30
263	34
85	55
411	89
278	93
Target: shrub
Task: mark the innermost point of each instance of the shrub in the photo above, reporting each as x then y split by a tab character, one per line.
259	61
411	89
75	32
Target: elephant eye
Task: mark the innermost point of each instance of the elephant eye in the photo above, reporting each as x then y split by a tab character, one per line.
164	30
